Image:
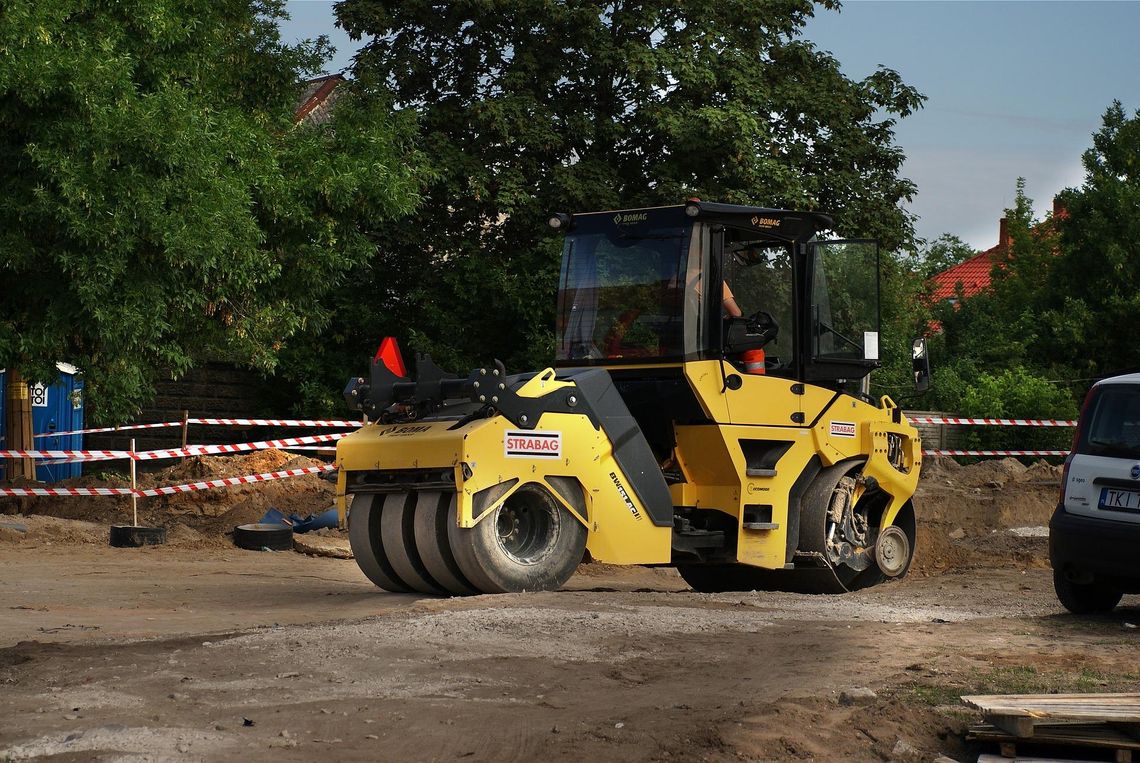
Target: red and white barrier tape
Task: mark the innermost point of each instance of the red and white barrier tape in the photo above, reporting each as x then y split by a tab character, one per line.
207	450
65	491
275	422
190	450
112	429
214	422
995	452
77	455
992	422
170	489
230	481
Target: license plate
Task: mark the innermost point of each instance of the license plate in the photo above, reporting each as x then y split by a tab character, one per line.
1115	499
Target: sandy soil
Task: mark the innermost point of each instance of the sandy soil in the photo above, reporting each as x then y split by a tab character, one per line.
200	651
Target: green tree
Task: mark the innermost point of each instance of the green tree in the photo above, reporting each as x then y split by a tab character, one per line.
1094	302
157	205
532	107
943	253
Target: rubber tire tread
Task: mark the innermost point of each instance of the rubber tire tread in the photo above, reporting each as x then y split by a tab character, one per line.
724	578
1087	598
487	565
255	537
367	548
461	540
397	531
433	513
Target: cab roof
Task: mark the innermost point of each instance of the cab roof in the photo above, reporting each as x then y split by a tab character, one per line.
782	224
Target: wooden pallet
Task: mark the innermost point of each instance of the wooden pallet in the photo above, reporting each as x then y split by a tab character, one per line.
1109	721
1075	735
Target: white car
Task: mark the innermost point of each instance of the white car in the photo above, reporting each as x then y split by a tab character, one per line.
1094	536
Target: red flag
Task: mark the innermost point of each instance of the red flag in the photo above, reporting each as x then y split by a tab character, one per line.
389	353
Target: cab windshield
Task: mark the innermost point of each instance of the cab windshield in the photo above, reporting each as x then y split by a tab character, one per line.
622	292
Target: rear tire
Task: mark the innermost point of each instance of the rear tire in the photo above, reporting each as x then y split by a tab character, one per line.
367	548
397	532
529	543
1085	598
724	578
434	513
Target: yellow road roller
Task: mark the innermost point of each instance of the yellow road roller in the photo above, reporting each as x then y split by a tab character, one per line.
707	409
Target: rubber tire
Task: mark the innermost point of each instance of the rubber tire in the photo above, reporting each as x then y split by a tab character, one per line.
488	565
397	533
258	536
134	536
1085	598
723	578
364	538
434	512
813	527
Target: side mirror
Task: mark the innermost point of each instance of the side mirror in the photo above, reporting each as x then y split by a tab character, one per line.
921	365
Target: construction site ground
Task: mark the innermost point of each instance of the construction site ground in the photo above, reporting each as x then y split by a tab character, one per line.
198	650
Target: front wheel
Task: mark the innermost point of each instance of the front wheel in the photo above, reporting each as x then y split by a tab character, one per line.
529	543
841	524
1085	598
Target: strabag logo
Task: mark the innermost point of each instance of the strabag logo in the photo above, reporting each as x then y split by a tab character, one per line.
532	444
625	497
630	218
842	429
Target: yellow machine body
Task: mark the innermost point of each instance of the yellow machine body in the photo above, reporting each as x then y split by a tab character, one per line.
587	480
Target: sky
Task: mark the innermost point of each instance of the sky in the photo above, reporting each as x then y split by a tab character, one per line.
1015	89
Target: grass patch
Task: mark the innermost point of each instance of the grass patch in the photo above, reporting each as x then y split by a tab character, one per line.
1019	679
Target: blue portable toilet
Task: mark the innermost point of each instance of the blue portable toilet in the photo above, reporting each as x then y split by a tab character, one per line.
55	408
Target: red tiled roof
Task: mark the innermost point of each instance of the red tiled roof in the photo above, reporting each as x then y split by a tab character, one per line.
319	96
973	274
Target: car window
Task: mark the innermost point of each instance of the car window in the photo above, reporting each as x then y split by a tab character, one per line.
1112	423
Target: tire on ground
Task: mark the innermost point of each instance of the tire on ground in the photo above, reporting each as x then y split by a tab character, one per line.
433	513
721	578
134	536
397	532
367	547
1085	598
529	543
258	536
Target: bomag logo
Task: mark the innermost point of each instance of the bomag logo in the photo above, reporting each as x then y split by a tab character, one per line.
630	218
625	497
765	222
403	430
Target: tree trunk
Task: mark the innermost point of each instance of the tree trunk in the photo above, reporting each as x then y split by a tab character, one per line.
18	412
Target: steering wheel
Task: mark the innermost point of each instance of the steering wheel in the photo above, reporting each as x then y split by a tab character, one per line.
762	324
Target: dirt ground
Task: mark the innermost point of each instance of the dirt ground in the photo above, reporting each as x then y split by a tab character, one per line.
199	651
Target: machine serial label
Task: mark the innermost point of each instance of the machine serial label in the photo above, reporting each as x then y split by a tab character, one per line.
532	444
625	496
842	429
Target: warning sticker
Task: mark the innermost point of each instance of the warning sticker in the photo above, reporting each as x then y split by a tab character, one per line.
532	444
842	429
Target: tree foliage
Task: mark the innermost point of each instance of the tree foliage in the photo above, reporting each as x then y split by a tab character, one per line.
943	253
157	205
531	107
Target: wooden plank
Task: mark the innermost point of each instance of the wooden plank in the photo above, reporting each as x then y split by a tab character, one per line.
987	758
1123	708
1086	735
1018	726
